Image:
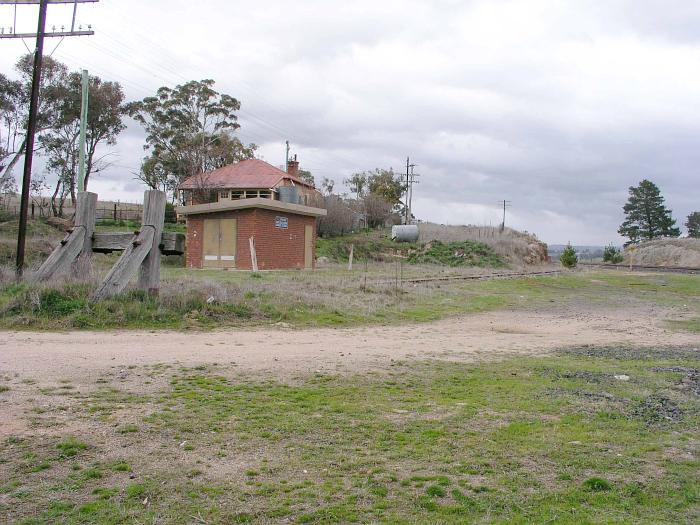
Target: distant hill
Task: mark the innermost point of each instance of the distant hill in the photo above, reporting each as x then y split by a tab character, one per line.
584	252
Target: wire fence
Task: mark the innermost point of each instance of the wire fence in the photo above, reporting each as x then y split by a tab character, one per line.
41	208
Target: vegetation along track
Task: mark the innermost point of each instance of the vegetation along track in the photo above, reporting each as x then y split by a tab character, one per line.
644	268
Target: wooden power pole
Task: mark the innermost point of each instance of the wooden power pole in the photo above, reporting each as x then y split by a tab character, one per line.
34	104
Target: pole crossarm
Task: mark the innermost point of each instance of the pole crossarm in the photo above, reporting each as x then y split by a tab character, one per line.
47	35
37	2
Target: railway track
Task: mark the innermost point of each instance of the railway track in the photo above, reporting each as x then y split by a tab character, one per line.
643	268
487	277
506	275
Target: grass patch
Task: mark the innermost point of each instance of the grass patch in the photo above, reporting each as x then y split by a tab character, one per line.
528	440
220	299
466	253
597	484
70	447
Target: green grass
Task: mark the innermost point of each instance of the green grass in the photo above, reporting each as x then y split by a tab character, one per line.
370	246
466	253
532	440
689	325
327	299
109	225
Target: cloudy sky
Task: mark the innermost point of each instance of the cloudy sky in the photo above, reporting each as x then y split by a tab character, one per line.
557	106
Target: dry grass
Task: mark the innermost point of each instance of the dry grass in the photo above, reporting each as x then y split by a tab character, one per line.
519	248
667	252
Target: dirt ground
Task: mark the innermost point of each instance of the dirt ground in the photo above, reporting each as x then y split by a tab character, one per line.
278	352
53	381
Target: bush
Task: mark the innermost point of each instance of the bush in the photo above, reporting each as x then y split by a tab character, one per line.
466	253
611	254
568	257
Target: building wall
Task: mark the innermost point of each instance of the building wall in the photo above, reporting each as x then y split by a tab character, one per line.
275	248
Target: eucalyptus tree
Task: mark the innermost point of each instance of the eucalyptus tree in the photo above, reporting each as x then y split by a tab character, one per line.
189	132
60	144
14	110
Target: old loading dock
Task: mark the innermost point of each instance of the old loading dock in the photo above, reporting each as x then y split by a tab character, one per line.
219	233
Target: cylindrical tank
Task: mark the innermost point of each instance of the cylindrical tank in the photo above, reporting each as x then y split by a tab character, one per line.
404	233
289	194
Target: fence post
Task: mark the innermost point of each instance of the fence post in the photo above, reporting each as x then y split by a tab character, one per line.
85	212
253	255
153	215
115	211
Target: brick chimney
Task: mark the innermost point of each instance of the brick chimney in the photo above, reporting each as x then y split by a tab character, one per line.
293	167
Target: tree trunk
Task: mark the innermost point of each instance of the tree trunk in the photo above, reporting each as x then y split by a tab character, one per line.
8	169
54	210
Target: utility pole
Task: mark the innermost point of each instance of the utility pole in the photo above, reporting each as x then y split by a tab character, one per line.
405	204
412	181
286	158
34	103
83	125
409	177
506	204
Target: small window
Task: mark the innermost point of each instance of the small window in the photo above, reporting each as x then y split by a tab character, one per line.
265	194
223	195
237	194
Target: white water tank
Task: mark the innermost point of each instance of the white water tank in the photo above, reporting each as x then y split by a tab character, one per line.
404	233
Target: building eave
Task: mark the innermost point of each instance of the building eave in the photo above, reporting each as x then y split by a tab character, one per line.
268	204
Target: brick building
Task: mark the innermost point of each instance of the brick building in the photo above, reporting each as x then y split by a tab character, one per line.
253	200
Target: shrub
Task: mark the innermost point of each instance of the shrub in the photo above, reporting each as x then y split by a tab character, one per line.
568	257
611	254
597	484
466	253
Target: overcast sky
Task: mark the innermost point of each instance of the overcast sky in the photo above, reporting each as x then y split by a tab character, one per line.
557	106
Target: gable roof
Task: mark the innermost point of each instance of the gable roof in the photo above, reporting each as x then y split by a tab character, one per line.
251	173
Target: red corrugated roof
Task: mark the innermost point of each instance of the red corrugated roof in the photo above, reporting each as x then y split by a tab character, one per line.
251	173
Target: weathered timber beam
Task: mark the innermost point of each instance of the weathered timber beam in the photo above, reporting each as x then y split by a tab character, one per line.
77	242
62	257
142	255
107	242
127	265
153	217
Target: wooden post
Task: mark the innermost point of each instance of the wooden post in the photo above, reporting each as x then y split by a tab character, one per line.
85	214
138	251
115	211
153	215
73	245
253	256
352	249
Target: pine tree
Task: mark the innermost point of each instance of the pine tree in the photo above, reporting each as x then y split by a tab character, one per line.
568	257
647	217
611	254
693	225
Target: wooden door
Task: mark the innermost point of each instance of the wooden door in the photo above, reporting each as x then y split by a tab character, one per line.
219	243
210	244
308	246
227	243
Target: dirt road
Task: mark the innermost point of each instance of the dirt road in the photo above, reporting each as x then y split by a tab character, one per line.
280	352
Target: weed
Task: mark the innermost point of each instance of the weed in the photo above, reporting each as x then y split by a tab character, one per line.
435	491
70	447
597	484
